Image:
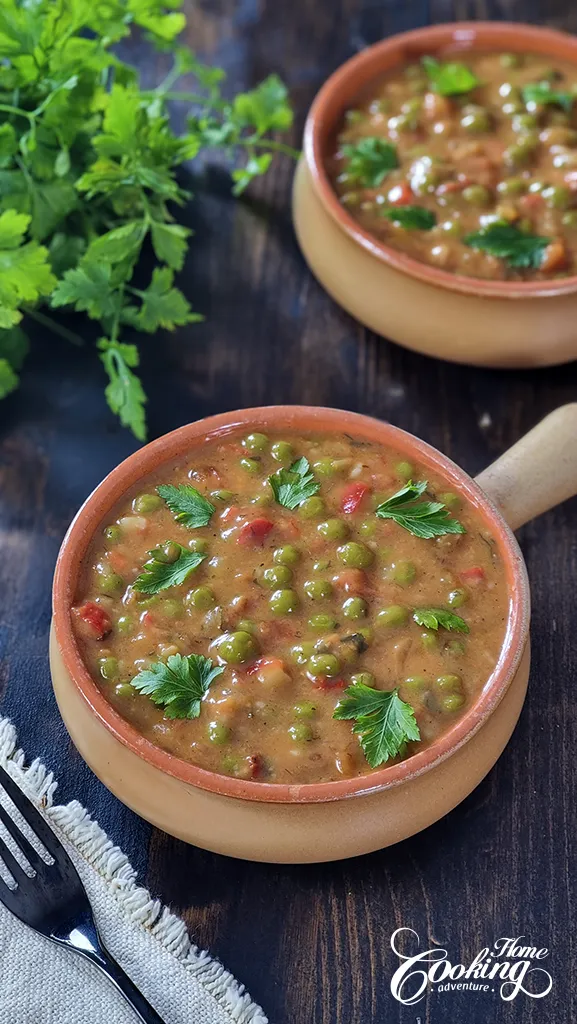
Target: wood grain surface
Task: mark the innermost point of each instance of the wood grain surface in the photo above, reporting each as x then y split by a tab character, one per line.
312	943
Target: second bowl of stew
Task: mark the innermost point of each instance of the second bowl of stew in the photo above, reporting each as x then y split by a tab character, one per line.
437	196
295	634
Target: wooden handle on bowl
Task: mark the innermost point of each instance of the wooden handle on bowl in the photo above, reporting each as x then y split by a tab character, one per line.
538	472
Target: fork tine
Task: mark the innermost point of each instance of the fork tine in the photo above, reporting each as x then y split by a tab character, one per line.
16	870
33	817
23	844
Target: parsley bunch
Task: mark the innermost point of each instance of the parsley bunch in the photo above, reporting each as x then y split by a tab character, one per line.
88	165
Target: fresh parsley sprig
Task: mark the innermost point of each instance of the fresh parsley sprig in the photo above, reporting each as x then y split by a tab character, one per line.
411	218
384	722
179	684
541	93
88	175
158	574
449	79
424	519
518	248
293	486
433	618
187	505
370	160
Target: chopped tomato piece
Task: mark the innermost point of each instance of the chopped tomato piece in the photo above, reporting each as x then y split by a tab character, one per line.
232	512
448	187
436	107
353	495
352	581
324	683
263	663
289	529
95	619
570	180
118	562
271	672
255	766
473	576
401	195
147	619
532	201
254	532
554	256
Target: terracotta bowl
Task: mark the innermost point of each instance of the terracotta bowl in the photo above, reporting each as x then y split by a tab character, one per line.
326	821
463	319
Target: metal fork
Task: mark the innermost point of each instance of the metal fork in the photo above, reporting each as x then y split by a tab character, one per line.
53	901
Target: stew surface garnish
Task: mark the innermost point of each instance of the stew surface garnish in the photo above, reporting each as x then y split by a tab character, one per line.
467	162
292	608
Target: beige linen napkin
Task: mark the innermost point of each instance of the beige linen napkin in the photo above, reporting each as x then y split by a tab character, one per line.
42	984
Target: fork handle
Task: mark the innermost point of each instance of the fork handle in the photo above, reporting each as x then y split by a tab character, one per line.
92	949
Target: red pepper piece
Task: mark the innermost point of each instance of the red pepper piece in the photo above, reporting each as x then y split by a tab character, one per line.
254	532
473	576
324	683
353	495
401	195
96	620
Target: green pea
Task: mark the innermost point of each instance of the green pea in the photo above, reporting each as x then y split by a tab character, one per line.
403	123
287	555
124	690
321	564
450	499
302	652
524	123
323	665
222	495
306	709
201	598
412	106
282	451
231	765
477	195
451	227
218	733
355	555
456	647
394	615
366	633
318	590
277	576
512	107
511	60
457	598
404	470
167	553
403	572
355	608
236	648
452	702
351	198
429	640
251	465
559	197
353	116
312	507
255	442
110	583
521	152
108	668
569	220
113	534
284	602
146	503
415	683
124	625
512	187
170	608
262	499
476	119
363	678
333	529
322	623
449	683
246	626
301	732
368	528
198	544
324	467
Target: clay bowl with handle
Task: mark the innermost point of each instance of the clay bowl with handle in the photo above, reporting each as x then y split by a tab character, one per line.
328	820
425	308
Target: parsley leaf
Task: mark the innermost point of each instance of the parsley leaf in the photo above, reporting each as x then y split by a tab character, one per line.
411	217
518	248
161	305
293	486
169	243
124	392
370	160
432	618
87	288
187	504
158	575
8	378
424	519
542	93
179	685
25	272
384	722
449	79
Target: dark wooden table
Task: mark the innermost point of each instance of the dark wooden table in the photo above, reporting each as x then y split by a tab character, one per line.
312	943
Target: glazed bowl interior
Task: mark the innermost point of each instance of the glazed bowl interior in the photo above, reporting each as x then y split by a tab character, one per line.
95	512
351	82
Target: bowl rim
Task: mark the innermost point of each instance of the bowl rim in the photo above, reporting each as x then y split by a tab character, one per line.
363	67
305	419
